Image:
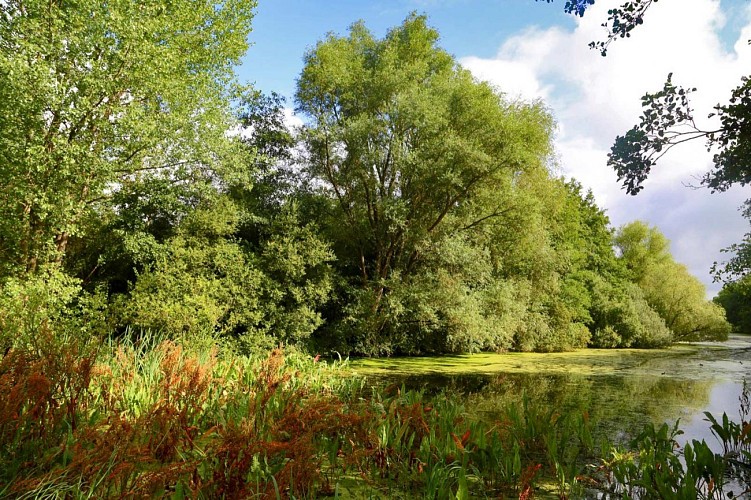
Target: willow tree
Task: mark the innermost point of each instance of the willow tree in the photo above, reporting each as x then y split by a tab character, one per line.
671	291
95	95
412	154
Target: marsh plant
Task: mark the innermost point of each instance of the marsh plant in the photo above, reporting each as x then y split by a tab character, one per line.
654	465
164	418
151	417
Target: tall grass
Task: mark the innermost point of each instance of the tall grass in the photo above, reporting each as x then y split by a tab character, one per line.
161	418
191	419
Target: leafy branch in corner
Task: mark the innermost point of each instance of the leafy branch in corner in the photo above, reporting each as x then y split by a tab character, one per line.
576	7
621	21
667	120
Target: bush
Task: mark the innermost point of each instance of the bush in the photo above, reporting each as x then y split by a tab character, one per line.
206	281
48	300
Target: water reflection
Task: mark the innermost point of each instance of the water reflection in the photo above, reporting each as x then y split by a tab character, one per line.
661	388
618	404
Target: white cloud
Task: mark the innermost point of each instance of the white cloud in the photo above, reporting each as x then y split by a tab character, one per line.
519	80
291	120
595	98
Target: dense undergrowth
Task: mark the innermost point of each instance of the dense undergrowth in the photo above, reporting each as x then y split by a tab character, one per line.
161	418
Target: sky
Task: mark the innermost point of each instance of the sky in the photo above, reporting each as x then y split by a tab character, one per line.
533	50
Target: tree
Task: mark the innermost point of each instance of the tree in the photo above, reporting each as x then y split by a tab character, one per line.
669	289
410	155
735	298
97	96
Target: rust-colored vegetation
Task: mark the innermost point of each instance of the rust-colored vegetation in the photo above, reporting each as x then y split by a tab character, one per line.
163	421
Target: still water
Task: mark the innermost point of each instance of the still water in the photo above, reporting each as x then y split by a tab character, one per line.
620	389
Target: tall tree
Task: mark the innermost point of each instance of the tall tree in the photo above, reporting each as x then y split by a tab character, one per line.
95	96
677	296
409	150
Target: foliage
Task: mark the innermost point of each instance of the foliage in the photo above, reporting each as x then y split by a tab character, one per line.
95	96
204	280
641	247
47	301
668	288
621	20
735	298
653	469
411	154
266	135
576	7
164	419
623	318
436	254
189	418
415	212
668	121
680	299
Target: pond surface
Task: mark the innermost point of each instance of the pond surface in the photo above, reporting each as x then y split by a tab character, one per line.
620	389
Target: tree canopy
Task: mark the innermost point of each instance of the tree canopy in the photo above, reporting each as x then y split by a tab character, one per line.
411	152
677	296
416	211
95	96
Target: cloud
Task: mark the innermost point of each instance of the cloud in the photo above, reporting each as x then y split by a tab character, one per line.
595	98
291	120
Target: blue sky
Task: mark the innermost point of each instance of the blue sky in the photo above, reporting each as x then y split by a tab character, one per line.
284	29
533	50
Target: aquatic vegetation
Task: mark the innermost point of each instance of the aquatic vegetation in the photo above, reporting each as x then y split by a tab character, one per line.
584	362
161	418
654	465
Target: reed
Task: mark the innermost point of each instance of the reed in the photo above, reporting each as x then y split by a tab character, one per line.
177	419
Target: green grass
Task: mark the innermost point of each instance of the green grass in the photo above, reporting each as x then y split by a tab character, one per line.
193	419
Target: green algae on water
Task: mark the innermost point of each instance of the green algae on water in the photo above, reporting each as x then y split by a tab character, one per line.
583	362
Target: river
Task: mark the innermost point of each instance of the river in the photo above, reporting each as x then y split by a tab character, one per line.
621	390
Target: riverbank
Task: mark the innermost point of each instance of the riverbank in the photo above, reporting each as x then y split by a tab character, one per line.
194	420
